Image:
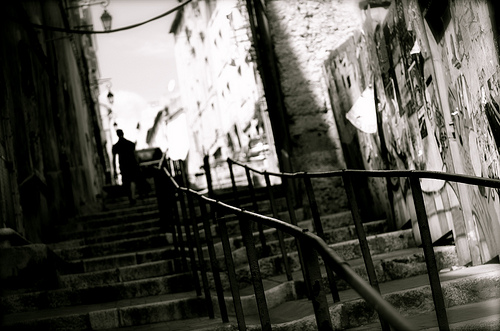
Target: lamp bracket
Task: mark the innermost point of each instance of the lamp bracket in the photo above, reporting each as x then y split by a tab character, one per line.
86	3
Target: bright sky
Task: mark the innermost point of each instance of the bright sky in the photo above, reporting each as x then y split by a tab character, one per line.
139	61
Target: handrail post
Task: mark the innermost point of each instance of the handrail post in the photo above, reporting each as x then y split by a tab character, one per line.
363	242
170	193
293	220
201	259
199	250
266	250
281	240
182	244
233	183
319	230
231	273
208	175
164	204
189	240
251	189
213	261
253	262
430	258
318	295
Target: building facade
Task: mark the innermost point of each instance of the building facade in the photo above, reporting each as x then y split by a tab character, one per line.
220	88
431	71
369	85
52	157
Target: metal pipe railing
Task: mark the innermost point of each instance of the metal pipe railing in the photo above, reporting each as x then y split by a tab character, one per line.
281	240
422	221
213	260
318	227
309	240
363	242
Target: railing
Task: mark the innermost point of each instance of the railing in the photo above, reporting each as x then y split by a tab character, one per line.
179	206
348	177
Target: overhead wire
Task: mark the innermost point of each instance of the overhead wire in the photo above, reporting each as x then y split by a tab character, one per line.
75	31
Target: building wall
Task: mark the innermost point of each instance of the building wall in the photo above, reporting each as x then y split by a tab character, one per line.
466	62
49	121
221	93
303	33
435	81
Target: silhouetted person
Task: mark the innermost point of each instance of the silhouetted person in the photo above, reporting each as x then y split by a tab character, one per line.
129	167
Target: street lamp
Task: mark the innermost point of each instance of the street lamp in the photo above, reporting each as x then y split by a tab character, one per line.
106	20
111	97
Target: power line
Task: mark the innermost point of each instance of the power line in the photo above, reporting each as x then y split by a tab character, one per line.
54	28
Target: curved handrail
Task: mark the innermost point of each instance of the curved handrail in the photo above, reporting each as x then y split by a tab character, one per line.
342	268
414	177
425	174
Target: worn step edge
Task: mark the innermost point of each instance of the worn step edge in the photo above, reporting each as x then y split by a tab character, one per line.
114	247
145	205
331	221
124	203
336	234
96	224
233	227
96	318
347	250
76	234
417	300
185	308
331	235
97	294
120	274
120	234
483	315
388	267
125	259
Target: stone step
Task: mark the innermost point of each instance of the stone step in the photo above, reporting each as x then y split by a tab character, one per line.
331	235
94	235
119	235
123	313
342	221
69	230
483	315
287	306
232	226
388	266
347	250
119	274
126	259
67	297
143	205
124	203
332	221
115	247
410	296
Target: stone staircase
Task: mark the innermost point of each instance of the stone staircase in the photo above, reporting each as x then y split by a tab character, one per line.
119	269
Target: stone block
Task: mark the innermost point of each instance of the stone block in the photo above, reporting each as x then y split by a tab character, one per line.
104	319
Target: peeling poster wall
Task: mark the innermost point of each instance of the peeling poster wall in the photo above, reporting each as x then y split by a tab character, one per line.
438	95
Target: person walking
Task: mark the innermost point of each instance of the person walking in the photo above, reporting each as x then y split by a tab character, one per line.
129	167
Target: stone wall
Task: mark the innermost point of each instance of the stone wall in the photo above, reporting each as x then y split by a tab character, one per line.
50	165
303	33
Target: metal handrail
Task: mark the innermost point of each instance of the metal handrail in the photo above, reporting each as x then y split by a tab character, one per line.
423	224
460	178
311	240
